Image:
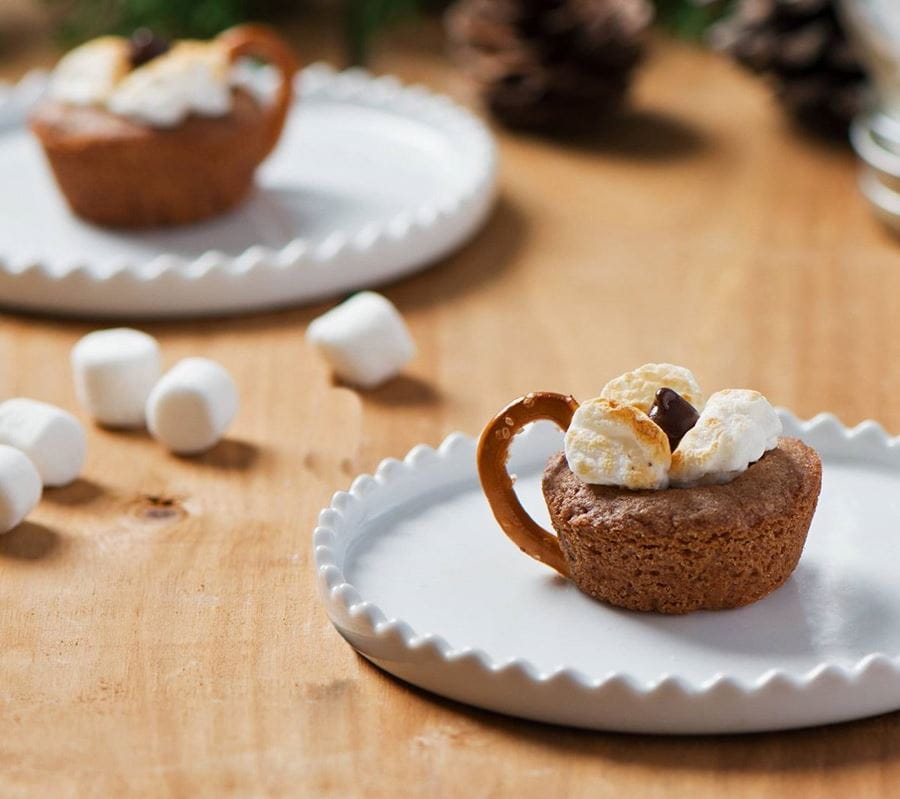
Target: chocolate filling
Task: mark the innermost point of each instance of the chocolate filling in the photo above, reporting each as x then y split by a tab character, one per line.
145	46
674	414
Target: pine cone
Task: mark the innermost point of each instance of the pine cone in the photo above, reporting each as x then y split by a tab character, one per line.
800	46
550	65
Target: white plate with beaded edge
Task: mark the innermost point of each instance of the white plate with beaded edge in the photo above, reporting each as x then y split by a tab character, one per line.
417	576
371	181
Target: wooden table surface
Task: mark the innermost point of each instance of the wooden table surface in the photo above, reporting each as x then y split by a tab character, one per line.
160	633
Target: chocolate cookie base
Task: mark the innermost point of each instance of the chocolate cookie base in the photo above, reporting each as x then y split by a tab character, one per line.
120	173
685	549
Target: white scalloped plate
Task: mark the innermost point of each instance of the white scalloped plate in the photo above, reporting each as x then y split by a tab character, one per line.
371	181
417	576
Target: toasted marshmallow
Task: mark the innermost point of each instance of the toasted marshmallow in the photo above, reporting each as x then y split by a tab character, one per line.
639	387
737	426
609	443
191	78
88	74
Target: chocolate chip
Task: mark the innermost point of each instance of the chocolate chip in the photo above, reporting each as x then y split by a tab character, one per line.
674	414
145	46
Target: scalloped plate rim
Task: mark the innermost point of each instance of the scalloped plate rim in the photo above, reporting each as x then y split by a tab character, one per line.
410	229
339	594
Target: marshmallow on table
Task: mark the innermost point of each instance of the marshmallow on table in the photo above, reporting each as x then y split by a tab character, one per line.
365	340
114	371
50	437
20	487
191	406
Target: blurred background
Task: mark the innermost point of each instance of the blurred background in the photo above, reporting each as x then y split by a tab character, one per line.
23	22
550	65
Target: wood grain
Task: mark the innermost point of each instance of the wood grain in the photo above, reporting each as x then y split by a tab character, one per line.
160	633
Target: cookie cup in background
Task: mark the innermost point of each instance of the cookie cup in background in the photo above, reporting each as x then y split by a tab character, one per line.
119	172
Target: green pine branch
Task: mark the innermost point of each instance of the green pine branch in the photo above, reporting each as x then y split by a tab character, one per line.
84	19
363	19
690	19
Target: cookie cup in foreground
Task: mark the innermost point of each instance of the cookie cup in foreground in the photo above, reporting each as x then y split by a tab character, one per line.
120	173
684	549
672	551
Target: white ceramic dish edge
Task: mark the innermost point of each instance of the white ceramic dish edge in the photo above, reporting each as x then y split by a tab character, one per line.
450	219
367	627
17	98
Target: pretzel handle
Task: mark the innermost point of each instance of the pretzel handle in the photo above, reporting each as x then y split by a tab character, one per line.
260	41
493	454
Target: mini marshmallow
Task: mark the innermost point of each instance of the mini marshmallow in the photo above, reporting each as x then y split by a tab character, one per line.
608	443
364	339
20	487
114	371
192	405
735	429
639	387
52	438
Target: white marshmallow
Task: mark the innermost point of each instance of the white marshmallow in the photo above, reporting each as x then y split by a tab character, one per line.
114	371
192	405
639	386
52	438
364	339
735	429
191	78
88	74
608	443
20	487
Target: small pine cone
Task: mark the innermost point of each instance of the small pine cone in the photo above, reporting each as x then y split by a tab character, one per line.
800	46
550	65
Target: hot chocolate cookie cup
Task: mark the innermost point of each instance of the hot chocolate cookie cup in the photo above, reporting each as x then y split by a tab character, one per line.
117	172
671	551
683	549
